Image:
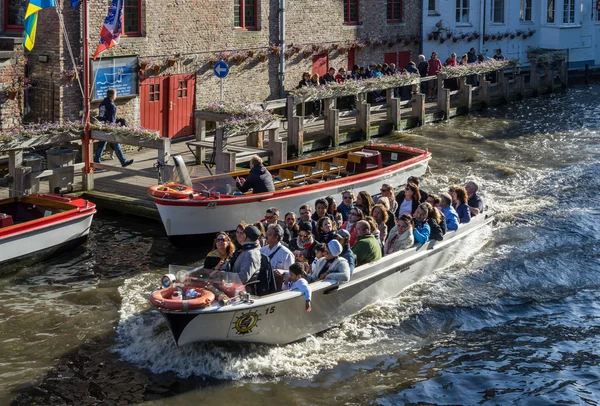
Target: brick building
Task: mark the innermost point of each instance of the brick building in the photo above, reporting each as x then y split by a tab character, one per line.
165	60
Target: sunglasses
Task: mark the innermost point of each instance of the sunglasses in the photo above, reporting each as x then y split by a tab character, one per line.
347	197
303	213
268	217
220	240
385	190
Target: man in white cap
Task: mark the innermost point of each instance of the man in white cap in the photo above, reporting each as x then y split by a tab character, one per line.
343	236
334	267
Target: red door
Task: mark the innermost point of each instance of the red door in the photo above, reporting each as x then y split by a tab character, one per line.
403	59
153	104
351	59
319	64
390	57
167	104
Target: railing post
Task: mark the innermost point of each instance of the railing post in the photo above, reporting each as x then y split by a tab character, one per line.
297	134
440	86
395	113
467	93
334	127
365	119
562	71
228	162
534	77
444	103
389	95
200	136
15	161
418	107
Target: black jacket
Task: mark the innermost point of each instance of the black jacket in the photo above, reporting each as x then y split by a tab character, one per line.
423	68
436	230
400	198
259	180
107	112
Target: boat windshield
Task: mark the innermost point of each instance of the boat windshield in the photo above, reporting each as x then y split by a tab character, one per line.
222	183
227	282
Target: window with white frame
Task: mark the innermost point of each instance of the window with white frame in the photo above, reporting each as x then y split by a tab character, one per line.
525	13
462	11
431	6
498	11
550	11
569	12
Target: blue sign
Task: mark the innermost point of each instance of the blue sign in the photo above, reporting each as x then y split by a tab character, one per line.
117	73
221	69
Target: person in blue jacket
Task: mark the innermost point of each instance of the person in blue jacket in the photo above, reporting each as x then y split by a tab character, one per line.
107	113
421	231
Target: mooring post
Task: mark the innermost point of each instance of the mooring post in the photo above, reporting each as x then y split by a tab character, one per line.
15	160
334	127
467	93
444	103
534	77
365	119
587	74
395	113
440	86
389	95
297	139
418	107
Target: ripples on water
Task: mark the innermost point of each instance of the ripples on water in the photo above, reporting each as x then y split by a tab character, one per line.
513	319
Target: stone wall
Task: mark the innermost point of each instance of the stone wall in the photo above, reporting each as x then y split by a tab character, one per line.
12	73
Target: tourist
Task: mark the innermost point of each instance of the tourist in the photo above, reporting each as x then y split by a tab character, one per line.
343	237
223	249
374	230
452	219
297	281
498	55
387	190
364	201
475	202
410	201
459	202
421	229
451	83
332	209
401	194
423	68
334	267
440	218
262	239
325	230
328	77
246	261
305	212
320	249
305	82
401	236
341	75
321	207
464	60
239	233
380	215
472	56
346	204
279	255
435	67
107	113
385	202
272	217
291	229
354	216
434	220
303	246
259	179
367	248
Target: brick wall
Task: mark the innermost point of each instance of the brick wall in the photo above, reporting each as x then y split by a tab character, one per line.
198	29
12	72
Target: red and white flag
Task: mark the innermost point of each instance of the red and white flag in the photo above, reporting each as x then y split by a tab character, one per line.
112	28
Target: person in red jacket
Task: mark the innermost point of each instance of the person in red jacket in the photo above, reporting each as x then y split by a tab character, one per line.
435	66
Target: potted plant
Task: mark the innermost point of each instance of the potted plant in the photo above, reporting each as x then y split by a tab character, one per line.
476	35
390	44
171	61
250	53
454	39
448	35
486	37
519	33
156	67
306	53
360	46
430	37
463	35
442	40
512	36
143	63
406	42
262	56
493	37
524	36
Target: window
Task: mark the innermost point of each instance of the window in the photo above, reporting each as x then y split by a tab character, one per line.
182	89
569	12
525	13
351	11
154	93
394	10
244	14
550	9
462	11
14	14
595	11
131	16
498	11
431	5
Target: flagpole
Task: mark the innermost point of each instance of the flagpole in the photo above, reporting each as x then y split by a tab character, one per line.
88	177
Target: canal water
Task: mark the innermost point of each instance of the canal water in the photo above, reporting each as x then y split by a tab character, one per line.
514	318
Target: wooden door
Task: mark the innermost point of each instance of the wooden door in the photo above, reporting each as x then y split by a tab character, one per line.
351	59
403	59
319	64
153	104
390	57
181	105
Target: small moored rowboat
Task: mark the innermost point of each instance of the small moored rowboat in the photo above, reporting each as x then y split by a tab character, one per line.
280	318
39	224
212	205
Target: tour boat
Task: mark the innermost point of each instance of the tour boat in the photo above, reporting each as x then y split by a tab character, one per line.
280	318
210	205
41	224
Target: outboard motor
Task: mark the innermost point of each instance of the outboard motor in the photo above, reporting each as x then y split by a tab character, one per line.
182	171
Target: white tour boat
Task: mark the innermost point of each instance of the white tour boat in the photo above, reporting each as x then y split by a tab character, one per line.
280	318
209	205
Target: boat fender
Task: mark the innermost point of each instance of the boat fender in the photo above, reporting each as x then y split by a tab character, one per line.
171	191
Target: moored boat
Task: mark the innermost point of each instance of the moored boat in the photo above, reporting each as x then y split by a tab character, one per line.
210	205
42	223
280	318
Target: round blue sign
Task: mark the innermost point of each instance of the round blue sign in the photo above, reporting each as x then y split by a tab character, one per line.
221	69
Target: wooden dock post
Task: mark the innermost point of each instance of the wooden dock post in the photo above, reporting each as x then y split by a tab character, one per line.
440	87
334	127
365	119
219	150
296	134
200	136
389	95
395	113
562	71
418	108
15	161
534	77
484	93
502	85
277	147
444	103
587	74
467	93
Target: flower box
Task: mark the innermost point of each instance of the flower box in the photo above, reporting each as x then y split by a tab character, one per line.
171	61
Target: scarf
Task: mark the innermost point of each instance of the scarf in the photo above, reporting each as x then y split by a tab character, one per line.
304	245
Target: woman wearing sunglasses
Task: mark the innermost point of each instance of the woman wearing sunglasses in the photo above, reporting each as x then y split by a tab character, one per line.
223	249
354	216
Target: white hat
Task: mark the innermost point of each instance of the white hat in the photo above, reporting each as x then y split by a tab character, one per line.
334	247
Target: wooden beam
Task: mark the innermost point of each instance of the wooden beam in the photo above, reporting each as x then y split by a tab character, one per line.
418	107
15	161
394	113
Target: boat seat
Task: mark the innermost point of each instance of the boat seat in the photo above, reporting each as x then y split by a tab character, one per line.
354	159
286	175
339	165
6	220
322	168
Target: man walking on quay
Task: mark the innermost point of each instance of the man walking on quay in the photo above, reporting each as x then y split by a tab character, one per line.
107	113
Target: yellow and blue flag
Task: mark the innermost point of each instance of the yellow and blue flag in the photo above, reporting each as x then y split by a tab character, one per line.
30	23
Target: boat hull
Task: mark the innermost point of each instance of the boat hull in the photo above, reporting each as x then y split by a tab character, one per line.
268	320
187	218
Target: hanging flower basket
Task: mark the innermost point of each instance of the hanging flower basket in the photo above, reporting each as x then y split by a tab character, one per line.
430	37
171	61
476	35
306	53
335	46
406	42
519	33
463	36
442	40
144	64
449	35
342	50
156	68
524	36
493	38
239	58
288	53
390	45
12	94
262	57
360	47
469	39
512	36
454	39
250	54
416	41
486	37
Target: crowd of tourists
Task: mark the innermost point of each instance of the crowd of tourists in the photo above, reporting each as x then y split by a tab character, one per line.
329	239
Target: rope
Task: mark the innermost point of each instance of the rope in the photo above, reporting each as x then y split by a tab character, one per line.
64	30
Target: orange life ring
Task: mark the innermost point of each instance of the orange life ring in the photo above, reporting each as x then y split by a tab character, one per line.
171	190
163	299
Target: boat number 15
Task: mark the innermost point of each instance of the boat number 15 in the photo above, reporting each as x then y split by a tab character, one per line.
269	310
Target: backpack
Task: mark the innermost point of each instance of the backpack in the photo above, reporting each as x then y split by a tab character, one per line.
262	282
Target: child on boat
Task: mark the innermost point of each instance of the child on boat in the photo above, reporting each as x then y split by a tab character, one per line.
296	281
